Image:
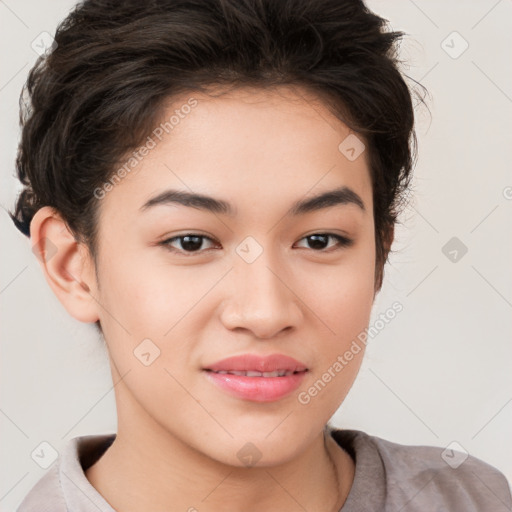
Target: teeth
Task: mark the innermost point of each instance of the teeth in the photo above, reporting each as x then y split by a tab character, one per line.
254	374
277	373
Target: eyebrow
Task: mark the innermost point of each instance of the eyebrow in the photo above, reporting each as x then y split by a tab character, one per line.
336	197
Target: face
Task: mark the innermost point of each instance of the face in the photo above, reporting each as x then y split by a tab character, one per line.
186	285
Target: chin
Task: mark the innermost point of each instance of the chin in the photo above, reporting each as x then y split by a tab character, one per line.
256	448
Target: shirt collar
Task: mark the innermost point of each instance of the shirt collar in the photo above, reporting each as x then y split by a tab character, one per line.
82	452
368	490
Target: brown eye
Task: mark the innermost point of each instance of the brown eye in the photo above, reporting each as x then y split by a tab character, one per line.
320	241
189	243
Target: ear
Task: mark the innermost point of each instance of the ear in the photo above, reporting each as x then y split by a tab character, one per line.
67	264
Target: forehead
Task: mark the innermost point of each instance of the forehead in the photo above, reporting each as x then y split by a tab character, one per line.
253	147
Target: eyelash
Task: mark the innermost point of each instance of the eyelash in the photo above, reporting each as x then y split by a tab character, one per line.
343	242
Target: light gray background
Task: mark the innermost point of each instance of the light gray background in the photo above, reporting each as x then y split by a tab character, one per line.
438	373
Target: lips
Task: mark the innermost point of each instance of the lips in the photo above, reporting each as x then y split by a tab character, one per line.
255	378
254	363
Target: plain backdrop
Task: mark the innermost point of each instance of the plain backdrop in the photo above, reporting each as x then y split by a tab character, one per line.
439	372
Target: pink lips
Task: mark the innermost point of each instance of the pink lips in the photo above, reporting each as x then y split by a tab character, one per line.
258	386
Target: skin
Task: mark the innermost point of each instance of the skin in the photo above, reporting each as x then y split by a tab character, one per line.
178	434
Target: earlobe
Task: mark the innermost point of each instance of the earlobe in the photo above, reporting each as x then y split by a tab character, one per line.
66	264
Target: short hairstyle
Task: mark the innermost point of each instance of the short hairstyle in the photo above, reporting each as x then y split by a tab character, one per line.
101	90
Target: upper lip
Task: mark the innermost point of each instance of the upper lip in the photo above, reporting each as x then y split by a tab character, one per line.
256	363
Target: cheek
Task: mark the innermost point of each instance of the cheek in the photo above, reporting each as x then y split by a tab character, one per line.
343	309
343	304
347	300
146	294
163	303
344	313
344	293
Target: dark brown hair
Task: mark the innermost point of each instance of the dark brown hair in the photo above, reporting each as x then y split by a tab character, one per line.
101	91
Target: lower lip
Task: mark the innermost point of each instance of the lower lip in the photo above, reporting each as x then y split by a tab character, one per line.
257	389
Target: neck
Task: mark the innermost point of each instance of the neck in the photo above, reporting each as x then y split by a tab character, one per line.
148	468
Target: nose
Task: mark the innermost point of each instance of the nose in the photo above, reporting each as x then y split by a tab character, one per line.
261	299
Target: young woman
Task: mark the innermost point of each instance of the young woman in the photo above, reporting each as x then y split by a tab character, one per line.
215	185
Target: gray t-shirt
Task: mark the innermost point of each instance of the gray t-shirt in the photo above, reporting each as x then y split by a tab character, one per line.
389	477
